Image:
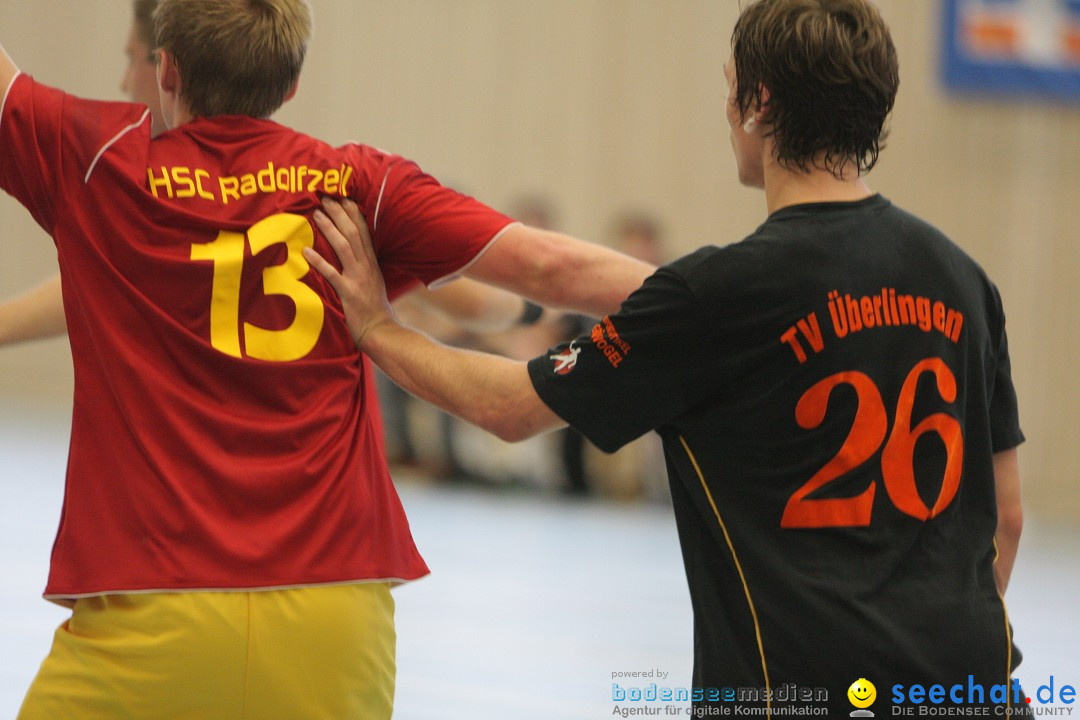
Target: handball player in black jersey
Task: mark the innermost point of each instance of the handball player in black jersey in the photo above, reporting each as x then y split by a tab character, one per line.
833	393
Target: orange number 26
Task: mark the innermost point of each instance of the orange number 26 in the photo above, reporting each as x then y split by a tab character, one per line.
868	431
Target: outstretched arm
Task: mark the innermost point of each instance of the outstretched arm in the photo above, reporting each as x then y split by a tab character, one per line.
489	391
559	271
37	313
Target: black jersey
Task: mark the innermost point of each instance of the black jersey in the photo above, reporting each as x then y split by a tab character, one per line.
830	392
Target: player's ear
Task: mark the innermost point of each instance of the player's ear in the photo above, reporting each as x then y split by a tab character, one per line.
169	85
167	73
764	96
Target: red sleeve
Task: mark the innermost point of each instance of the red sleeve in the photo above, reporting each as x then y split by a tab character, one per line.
423	231
49	141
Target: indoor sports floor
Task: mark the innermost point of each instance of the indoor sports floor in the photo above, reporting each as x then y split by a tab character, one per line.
533	601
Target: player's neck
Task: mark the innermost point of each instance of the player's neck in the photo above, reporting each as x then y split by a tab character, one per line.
180	116
785	187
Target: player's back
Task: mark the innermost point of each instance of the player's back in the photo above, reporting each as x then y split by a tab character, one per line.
220	433
842	459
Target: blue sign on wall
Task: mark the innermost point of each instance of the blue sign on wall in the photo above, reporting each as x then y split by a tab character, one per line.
1014	47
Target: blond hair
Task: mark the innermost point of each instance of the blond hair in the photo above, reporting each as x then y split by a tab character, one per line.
235	57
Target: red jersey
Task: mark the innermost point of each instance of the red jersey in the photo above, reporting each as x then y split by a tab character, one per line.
223	432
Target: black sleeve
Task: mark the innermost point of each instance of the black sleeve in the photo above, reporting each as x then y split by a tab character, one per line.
634	371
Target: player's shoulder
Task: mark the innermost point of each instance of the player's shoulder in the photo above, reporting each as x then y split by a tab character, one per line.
927	239
710	275
742	257
371	155
24	88
389	170
942	259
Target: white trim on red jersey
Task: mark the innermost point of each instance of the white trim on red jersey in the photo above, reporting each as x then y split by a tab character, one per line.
461	271
109	144
66	600
7	91
378	203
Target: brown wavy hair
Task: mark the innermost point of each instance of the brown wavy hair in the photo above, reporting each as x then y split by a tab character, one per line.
235	57
830	72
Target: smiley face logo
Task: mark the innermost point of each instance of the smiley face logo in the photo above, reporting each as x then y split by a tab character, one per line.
862	693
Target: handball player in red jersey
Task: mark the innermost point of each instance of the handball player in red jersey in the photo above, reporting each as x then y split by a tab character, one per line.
229	532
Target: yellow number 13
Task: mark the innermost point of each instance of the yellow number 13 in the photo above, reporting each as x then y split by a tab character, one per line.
227	254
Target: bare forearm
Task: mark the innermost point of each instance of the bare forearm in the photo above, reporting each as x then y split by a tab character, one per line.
492	392
600	286
1010	515
474	306
1007	546
590	278
561	272
37	313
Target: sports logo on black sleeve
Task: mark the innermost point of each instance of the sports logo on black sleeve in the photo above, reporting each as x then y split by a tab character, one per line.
566	361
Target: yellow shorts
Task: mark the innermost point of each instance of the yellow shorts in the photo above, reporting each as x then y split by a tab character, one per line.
317	652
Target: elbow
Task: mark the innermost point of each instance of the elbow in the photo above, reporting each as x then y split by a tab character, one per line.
510	423
1010	525
511	435
510	430
511	409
